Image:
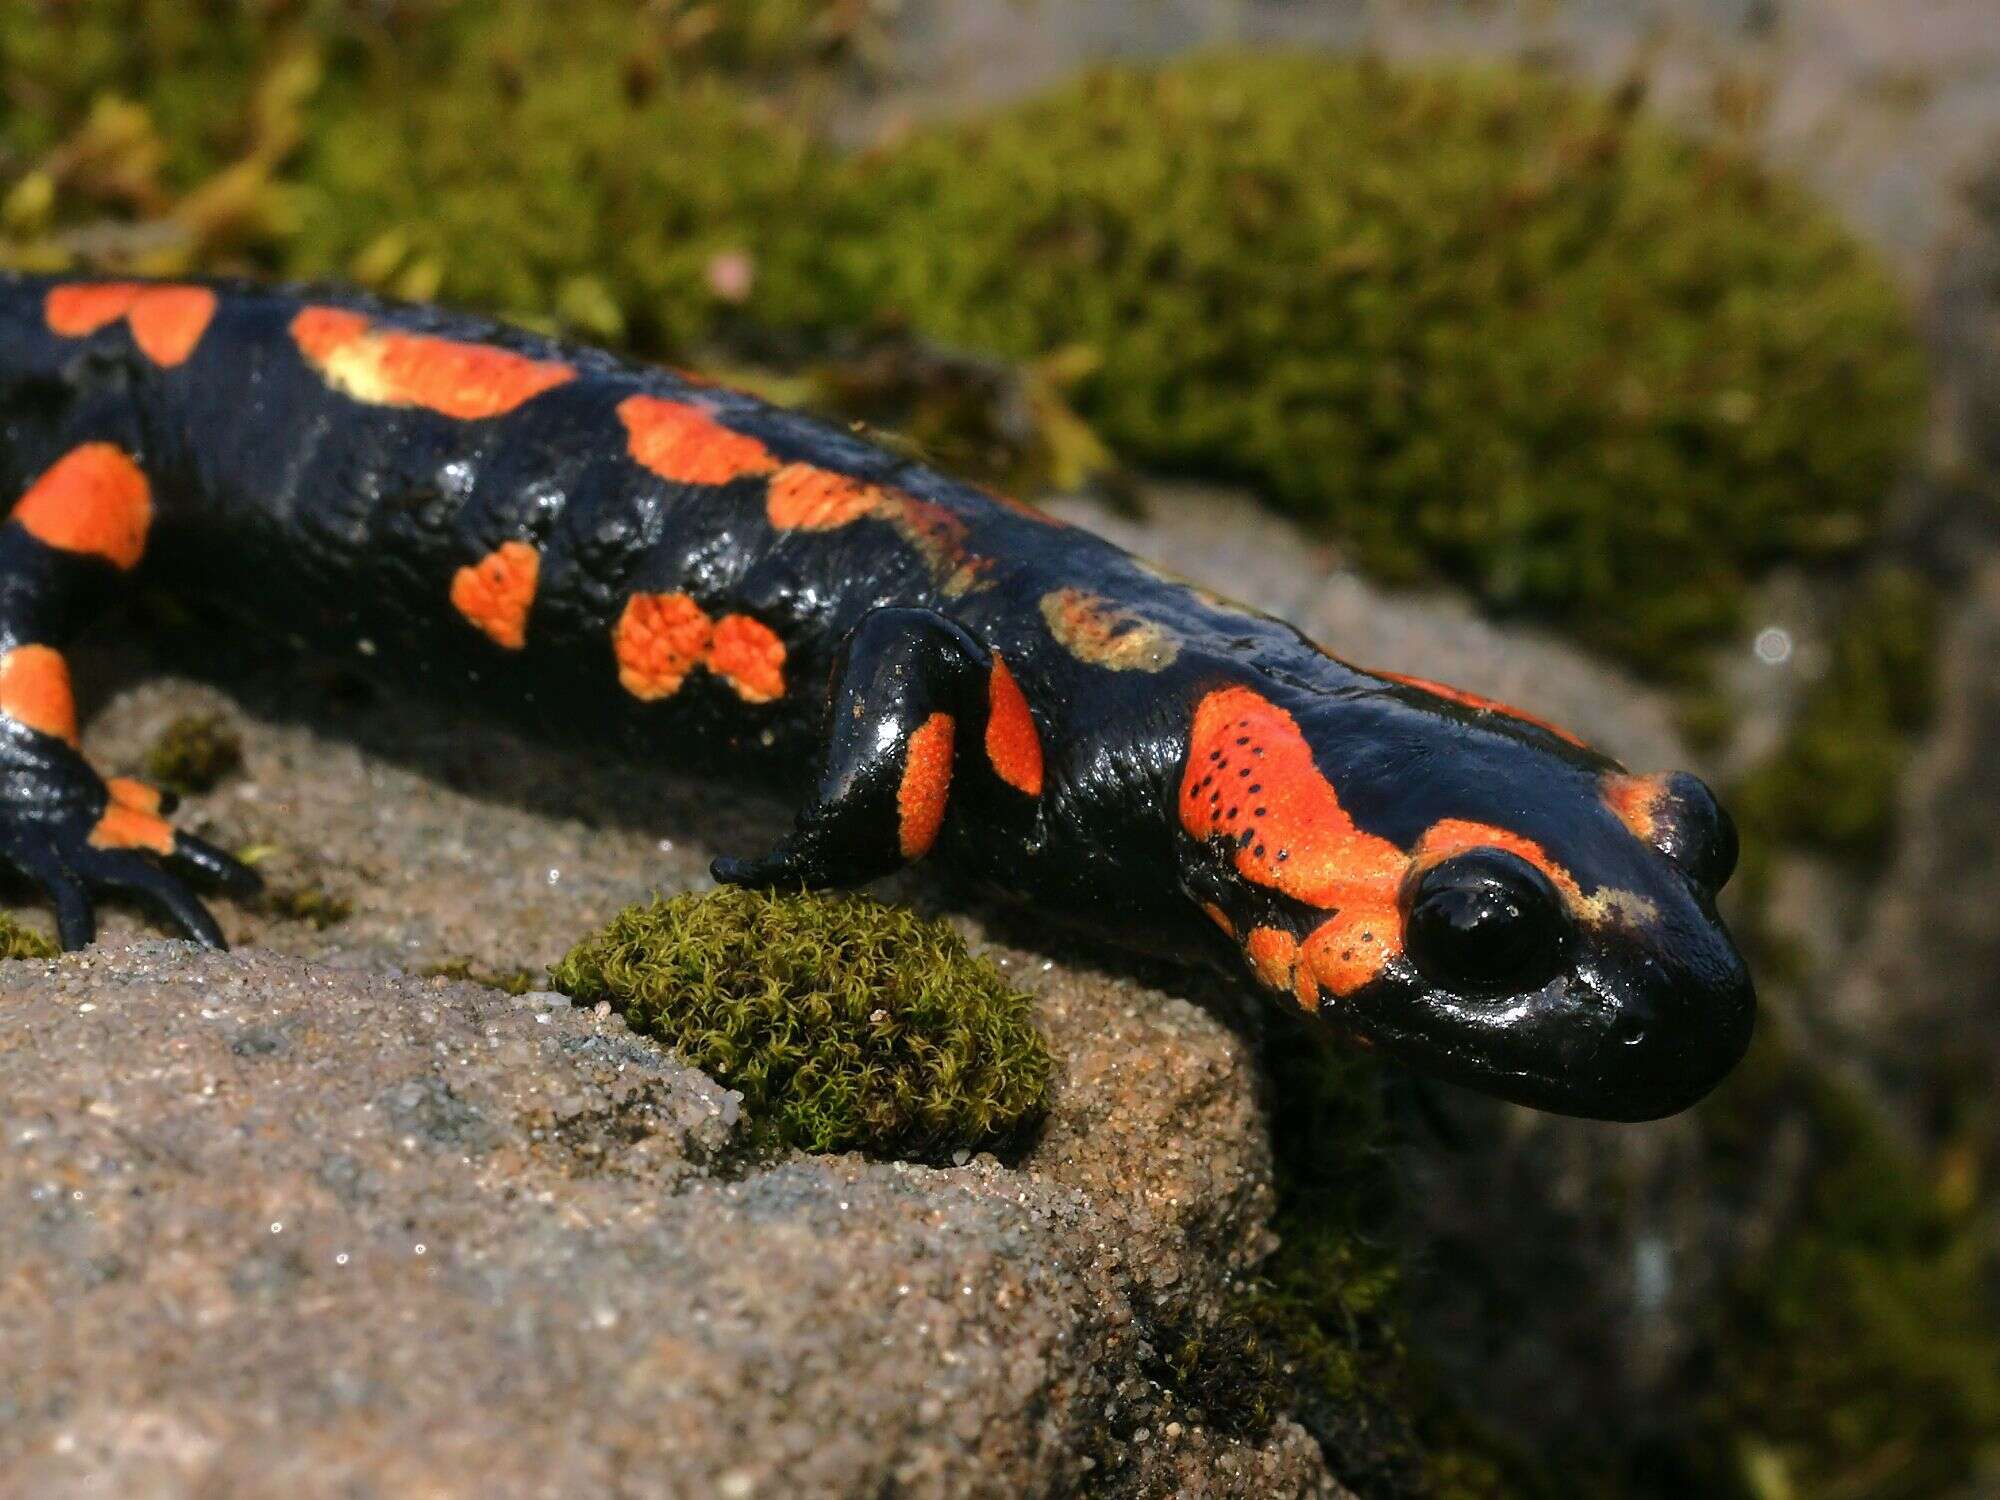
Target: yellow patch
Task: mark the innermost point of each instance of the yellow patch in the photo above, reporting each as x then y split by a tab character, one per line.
1094	630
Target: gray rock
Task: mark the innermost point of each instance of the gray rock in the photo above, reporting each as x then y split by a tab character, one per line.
282	1227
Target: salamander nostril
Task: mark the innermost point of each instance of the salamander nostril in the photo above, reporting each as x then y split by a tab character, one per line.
1629	1029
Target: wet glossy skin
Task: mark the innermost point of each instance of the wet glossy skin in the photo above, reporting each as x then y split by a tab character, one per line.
616	554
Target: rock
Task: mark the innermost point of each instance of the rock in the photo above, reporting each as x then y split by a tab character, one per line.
290	1226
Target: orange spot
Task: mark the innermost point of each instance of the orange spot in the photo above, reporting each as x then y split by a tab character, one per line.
1012	744
496	593
167	321
1273	954
685	444
81	308
1481	705
749	657
803	498
35	691
926	785
1250	778
133	794
1635	802
1219	917
1347	952
658	640
93	501
386	367
126	827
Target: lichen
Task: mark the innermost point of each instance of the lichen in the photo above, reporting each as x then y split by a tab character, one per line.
17	941
193	754
846	1024
1474	321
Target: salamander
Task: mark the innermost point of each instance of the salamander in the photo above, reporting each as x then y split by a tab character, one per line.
624	555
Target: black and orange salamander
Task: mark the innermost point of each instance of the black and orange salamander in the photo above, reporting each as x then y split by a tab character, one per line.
620	554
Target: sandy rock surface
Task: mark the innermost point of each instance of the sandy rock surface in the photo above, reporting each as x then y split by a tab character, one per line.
282	1226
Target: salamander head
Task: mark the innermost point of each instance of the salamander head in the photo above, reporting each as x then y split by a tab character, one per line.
1473	891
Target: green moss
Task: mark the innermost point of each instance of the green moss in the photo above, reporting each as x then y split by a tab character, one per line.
313	905
1859	1353
465	971
1831	785
194	753
17	941
847	1024
1475	322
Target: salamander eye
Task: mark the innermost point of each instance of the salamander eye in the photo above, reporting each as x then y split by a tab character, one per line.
1485	922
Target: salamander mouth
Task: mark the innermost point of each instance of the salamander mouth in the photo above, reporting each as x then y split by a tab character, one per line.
1583	1045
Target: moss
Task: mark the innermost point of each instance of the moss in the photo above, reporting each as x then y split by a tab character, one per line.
17	941
847	1024
1474	322
1858	1354
313	905
1831	785
194	753
465	971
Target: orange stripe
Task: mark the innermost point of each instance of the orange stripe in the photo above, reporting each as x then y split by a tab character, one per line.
1474	701
496	593
1012	745
803	498
92	501
683	443
35	691
926	785
387	367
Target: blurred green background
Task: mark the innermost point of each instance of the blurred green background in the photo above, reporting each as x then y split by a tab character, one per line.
1478	324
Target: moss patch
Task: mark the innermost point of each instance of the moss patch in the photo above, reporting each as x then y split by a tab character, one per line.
17	941
847	1024
194	754
1474	321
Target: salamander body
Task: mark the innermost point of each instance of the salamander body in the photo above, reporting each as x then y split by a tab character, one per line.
623	555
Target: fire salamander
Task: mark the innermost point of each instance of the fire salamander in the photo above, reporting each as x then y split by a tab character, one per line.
630	556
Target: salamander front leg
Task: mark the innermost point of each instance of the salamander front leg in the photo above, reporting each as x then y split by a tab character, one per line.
907	685
63	826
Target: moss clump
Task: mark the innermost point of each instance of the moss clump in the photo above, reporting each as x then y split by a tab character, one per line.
1476	322
847	1024
17	941
194	754
1831	785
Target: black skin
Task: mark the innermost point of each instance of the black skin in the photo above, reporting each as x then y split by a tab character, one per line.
332	520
